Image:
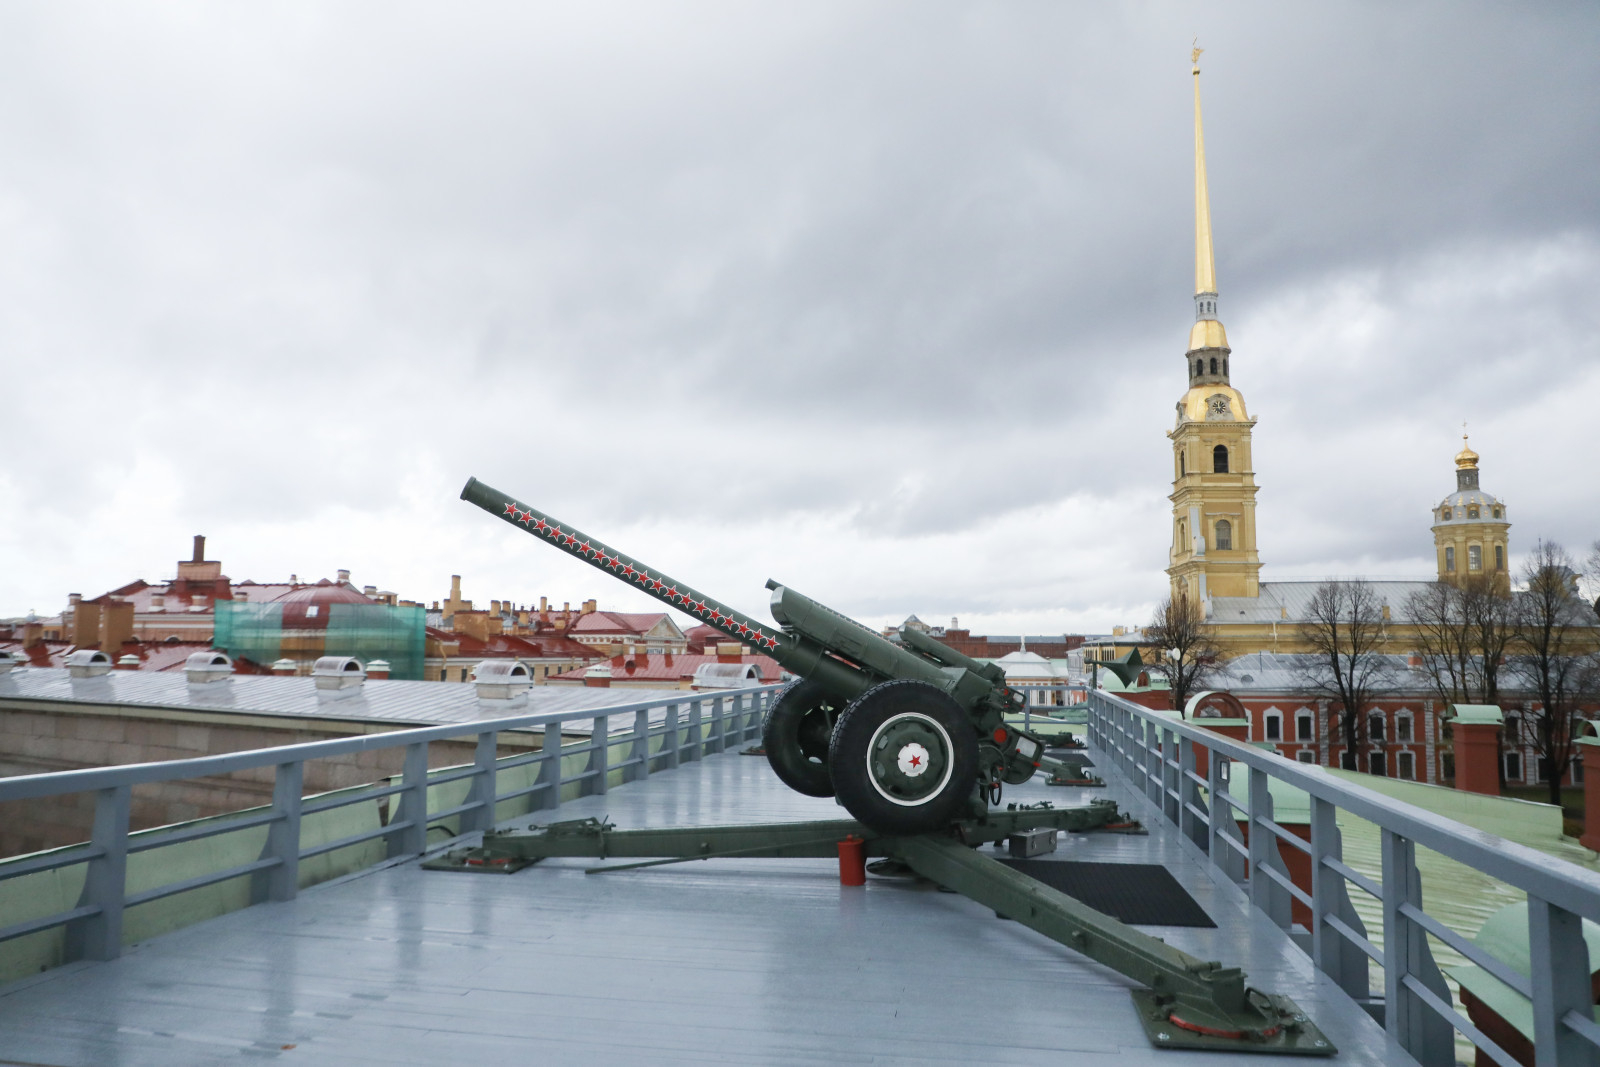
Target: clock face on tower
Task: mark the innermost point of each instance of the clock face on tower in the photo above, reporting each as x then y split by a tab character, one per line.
1218	408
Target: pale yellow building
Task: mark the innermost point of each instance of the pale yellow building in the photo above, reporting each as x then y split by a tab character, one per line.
1214	488
1214	560
1470	527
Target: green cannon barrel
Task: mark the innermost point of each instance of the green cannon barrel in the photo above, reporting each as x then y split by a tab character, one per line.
792	651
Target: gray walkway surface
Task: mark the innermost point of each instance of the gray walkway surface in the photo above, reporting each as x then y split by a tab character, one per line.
722	961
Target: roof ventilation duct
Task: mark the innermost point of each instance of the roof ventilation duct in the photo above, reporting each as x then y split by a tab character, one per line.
204	667
502	681
88	663
337	676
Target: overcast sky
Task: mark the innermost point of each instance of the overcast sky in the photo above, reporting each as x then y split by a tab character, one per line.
886	301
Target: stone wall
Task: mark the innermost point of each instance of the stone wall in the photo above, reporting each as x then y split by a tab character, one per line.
41	741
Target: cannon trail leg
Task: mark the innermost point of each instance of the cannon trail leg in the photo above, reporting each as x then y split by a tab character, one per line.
1190	1003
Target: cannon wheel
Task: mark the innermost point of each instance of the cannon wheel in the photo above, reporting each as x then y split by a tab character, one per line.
795	734
904	758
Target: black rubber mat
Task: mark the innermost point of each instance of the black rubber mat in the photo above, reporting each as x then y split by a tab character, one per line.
1141	894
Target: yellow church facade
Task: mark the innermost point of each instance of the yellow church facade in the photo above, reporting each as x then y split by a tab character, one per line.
1214	559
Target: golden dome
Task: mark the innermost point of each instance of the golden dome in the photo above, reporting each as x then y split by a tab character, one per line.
1466	459
1207	333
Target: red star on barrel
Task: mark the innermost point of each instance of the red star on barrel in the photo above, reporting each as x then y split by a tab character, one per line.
526	515
511	509
699	606
541	526
744	629
657	584
716	617
601	558
555	532
770	642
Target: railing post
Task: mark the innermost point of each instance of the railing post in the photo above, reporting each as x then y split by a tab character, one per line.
1151	744
1559	962
1223	815
550	767
484	786
672	744
1265	892
719	725
697	729
1170	793
640	748
283	834
1411	1023
412	839
99	936
600	758
1190	823
1333	953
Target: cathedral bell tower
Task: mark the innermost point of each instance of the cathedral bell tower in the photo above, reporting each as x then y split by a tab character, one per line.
1213	488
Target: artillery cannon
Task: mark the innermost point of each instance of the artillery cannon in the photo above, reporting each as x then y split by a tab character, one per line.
914	742
908	737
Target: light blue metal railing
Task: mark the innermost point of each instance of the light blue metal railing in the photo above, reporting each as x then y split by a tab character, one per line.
689	729
1156	752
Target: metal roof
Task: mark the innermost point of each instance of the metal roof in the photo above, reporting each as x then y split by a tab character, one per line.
389	701
1290	602
723	961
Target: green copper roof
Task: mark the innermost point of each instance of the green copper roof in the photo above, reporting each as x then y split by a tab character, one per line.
1470	713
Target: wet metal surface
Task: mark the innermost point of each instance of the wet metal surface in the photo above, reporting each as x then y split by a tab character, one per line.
723	961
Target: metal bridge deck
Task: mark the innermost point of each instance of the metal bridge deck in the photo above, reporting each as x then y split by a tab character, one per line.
724	961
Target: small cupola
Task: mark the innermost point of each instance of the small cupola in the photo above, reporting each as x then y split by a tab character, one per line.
337	674
88	663
203	668
502	681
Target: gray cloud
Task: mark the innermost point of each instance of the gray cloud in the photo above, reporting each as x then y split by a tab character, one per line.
889	298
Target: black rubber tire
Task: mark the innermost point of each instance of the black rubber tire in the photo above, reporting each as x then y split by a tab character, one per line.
900	704
796	732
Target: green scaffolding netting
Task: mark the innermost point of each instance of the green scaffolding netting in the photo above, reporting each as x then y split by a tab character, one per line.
365	631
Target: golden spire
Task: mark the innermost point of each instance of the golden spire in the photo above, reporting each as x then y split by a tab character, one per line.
1205	267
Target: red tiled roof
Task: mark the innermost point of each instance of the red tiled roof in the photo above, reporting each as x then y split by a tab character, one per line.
666	667
43	654
531	646
617	622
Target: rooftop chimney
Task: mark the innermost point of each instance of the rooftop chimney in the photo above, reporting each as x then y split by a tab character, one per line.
378	669
199	548
544	605
344	575
283	667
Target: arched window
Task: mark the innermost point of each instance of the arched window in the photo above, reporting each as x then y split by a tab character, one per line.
1450	559
1219	459
1224	533
1213	364
1499	557
1199	366
1182	465
1375	726
1474	558
1402	727
1274	725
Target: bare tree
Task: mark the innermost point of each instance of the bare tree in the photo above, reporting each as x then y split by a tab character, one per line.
1489	615
1344	630
1187	648
1555	658
1444	641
